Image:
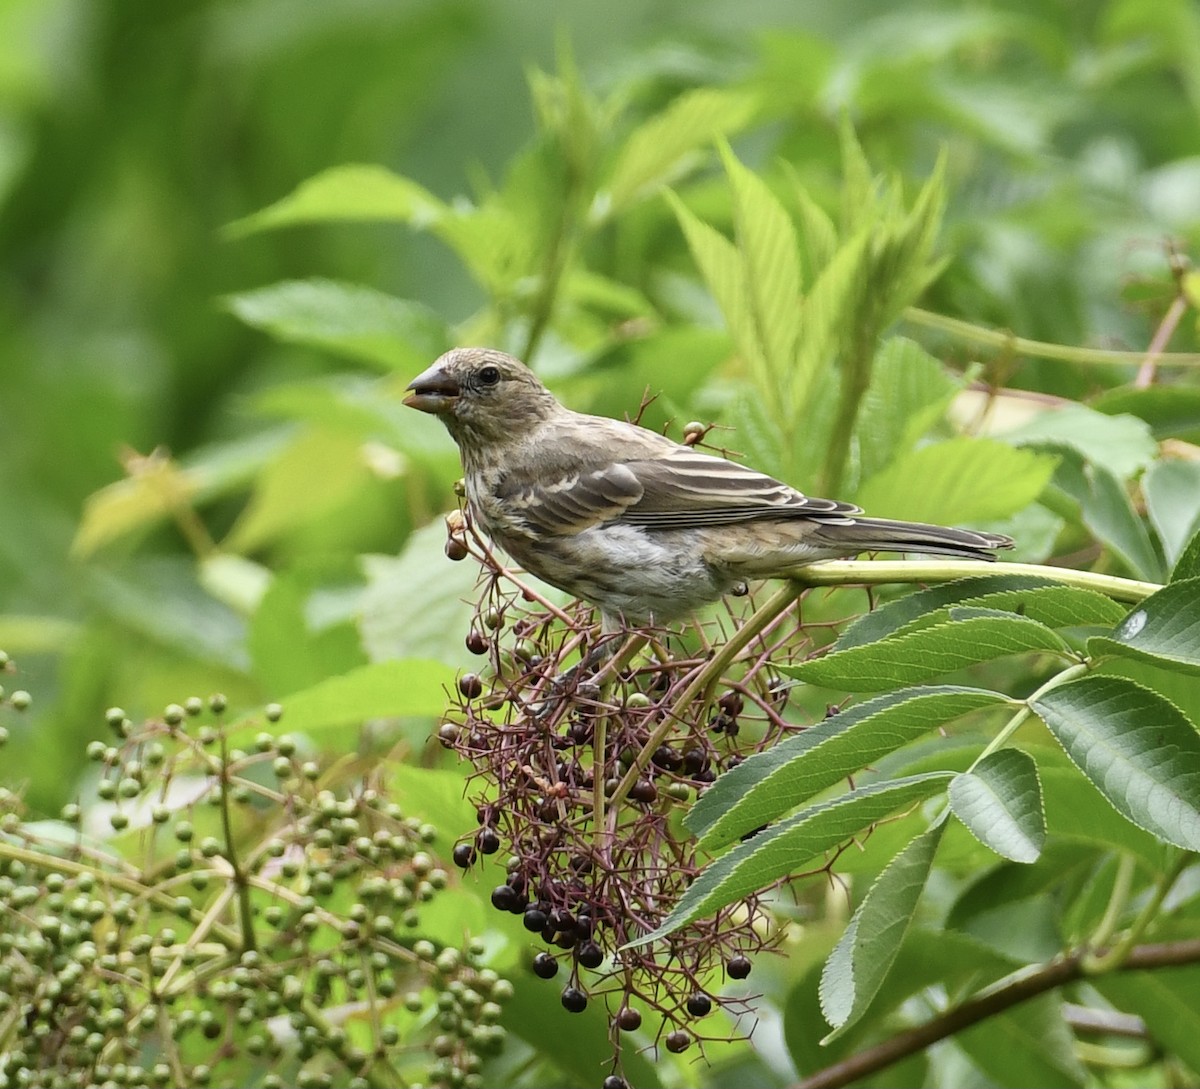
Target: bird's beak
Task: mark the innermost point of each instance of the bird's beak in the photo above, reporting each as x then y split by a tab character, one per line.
433	391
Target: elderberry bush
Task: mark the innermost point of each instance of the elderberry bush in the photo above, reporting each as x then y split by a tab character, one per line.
226	916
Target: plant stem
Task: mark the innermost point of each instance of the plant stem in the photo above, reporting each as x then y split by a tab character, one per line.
1040	349
1096	962
876	572
245	909
1026	709
1014	989
702	681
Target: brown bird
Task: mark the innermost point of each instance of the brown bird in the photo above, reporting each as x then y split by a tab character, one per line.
627	519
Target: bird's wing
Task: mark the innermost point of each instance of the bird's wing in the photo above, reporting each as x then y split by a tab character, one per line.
682	489
687	489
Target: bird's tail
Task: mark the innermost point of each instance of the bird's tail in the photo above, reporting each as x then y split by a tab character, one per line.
859	534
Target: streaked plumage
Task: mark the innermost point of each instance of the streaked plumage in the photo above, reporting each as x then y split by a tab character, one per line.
643	527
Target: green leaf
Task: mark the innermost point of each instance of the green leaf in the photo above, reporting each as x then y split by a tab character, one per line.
419	603
1077	812
1121	444
349	319
928	652
895	615
307	480
789	773
724	272
1164	628
1029	1044
1107	510
303	628
662	149
960	480
1139	750
356	191
863	956
1173	412
409	687
785	848
1188	564
908	394
767	242
1166	1000
1172	491
1000	802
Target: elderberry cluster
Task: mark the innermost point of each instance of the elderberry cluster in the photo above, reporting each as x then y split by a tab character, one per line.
587	756
220	915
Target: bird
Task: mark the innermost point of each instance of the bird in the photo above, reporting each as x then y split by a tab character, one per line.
644	528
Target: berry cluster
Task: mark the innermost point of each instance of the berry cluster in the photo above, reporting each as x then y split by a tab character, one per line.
230	916
589	750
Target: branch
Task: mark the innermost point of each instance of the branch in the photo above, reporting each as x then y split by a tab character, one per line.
1001	996
874	572
1040	349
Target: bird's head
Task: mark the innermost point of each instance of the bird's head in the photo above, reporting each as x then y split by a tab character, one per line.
482	396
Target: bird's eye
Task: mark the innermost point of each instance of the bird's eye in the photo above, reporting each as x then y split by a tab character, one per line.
489	376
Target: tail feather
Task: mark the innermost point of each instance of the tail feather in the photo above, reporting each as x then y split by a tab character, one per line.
884	535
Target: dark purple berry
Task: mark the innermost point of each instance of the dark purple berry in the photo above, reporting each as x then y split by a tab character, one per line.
699	1004
487	841
545	966
613	1081
505	898
477	642
534	920
470	686
464	855
628	1019
590	955
574	1000
738	967
456	549
643	791
678	1041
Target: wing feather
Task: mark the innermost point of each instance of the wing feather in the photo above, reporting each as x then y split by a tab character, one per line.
682	489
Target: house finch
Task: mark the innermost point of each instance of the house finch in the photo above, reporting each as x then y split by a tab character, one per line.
627	519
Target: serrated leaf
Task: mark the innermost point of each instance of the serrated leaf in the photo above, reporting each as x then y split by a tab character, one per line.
831	298
909	392
818	234
929	652
355	191
1122	444
1000	802
1172	491
767	242
350	319
409	687
1055	606
1108	511
658	151
1164	629
786	848
960	480
1138	749
863	956
771	782
1188	564
308	479
898	614
724	273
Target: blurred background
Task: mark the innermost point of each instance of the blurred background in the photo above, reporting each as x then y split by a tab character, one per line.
133	131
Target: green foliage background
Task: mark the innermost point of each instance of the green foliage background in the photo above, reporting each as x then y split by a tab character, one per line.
281	543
